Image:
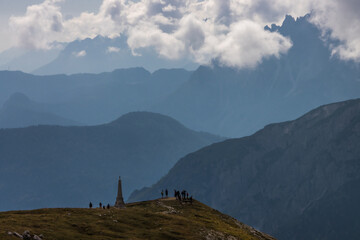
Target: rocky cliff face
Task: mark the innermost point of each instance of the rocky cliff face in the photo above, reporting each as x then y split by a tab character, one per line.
295	180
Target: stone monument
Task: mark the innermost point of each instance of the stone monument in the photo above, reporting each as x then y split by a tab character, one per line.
119	199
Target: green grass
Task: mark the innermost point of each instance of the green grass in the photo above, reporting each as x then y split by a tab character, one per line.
158	219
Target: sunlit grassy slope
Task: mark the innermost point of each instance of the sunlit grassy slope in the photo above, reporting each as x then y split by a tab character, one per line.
158	219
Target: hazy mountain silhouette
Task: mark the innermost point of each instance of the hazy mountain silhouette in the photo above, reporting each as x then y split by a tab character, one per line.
102	54
234	102
20	111
95	98
294	180
53	166
25	60
217	99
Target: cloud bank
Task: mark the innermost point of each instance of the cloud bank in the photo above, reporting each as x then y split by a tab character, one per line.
231	31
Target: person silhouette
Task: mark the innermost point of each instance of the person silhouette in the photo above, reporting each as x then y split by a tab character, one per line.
100	205
162	193
90	205
166	193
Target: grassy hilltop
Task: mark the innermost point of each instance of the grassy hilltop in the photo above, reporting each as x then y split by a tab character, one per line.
157	219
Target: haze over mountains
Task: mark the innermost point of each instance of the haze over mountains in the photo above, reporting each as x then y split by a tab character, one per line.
234	102
94	98
103	55
52	166
19	111
20	59
294	180
217	99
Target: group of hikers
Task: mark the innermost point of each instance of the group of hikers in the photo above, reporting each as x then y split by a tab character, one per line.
100	205
182	196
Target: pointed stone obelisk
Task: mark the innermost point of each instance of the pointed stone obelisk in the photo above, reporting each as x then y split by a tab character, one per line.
119	199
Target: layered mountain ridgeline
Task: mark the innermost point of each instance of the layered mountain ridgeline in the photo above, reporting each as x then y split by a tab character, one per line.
20	111
294	180
102	54
158	219
217	99
69	166
235	103
94	98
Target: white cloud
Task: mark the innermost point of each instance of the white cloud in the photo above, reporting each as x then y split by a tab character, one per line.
113	50
40	26
169	8
341	19
236	50
80	54
201	30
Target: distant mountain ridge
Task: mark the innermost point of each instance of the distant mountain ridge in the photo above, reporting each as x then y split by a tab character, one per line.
25	60
217	99
103	54
94	98
295	180
19	111
238	102
57	166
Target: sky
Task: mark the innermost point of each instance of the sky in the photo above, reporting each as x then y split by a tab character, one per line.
231	31
18	8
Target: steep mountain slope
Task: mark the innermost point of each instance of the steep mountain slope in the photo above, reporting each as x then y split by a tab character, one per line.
103	54
233	102
27	60
94	98
20	111
158	219
295	180
49	166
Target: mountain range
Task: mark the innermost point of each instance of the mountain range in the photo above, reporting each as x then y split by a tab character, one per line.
295	180
233	102
102	54
19	111
217	99
94	98
54	166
